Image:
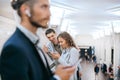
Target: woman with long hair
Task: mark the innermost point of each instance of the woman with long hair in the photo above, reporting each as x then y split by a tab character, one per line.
70	54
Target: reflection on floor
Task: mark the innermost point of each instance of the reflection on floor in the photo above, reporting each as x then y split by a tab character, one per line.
88	72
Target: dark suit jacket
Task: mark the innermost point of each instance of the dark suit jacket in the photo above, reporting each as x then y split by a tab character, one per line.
20	60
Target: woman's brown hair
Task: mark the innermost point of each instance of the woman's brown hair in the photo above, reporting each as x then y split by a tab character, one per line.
67	37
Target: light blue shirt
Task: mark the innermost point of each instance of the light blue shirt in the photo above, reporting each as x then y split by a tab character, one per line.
69	56
33	37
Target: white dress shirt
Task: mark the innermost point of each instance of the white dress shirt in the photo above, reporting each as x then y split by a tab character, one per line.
70	57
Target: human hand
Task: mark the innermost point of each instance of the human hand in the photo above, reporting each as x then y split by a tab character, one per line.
55	55
64	72
80	74
45	49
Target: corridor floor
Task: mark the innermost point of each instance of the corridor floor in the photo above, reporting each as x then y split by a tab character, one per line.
88	72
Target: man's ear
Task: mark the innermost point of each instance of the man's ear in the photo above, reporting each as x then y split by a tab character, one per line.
27	12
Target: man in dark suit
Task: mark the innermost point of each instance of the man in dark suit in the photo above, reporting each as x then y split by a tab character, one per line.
21	59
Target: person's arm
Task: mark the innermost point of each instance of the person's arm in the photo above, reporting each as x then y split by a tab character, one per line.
64	72
55	55
45	49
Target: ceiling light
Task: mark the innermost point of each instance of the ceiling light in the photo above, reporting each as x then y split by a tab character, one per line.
116	13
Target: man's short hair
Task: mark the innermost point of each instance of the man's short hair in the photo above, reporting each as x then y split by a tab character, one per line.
48	31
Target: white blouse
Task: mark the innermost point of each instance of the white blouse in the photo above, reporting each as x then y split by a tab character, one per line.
69	57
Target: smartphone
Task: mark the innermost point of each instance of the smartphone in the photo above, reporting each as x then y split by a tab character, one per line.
49	53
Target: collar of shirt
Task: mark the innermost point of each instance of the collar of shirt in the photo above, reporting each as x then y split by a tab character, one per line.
33	37
68	49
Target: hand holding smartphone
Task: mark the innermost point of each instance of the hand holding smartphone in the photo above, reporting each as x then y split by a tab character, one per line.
54	55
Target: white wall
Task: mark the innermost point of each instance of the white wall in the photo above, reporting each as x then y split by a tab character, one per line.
116	51
103	48
7	27
84	40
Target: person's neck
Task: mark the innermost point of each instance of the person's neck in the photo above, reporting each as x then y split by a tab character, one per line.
68	47
29	26
56	42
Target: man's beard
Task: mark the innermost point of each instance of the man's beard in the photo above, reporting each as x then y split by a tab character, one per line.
35	24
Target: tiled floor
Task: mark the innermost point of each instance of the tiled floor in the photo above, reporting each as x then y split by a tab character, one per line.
88	72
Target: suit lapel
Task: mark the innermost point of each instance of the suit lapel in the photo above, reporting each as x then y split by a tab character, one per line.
47	65
47	69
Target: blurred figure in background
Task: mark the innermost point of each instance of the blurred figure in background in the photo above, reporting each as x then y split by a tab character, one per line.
110	69
110	72
96	70
118	73
104	68
111	76
94	58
